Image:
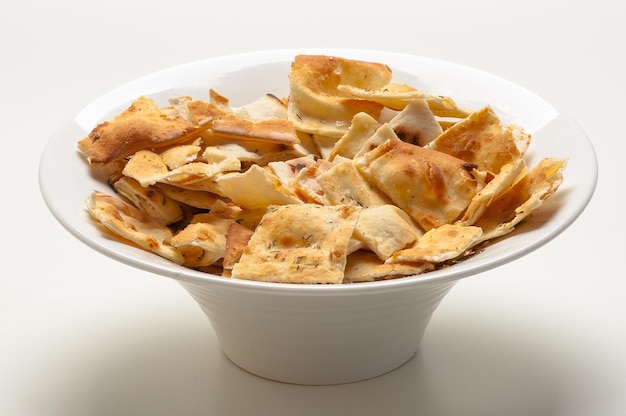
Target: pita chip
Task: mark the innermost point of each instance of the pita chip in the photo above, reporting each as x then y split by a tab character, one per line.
440	244
304	243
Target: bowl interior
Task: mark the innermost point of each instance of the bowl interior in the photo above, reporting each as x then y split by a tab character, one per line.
66	180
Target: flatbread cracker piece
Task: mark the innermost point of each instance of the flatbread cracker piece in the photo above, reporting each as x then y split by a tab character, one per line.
180	105
385	229
483	140
440	244
132	224
287	170
383	133
362	127
365	266
432	187
344	184
266	107
203	241
256	188
146	167
201	244
177	156
416	124
299	244
143	125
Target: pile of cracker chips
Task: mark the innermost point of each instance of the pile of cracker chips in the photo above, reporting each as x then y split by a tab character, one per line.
351	178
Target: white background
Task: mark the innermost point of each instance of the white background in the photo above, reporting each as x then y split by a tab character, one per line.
83	335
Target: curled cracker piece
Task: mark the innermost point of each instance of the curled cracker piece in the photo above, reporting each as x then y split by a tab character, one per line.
134	225
398	96
305	184
203	241
148	168
304	243
317	106
525	196
150	200
236	241
262	120
143	125
273	130
500	183
192	198
440	244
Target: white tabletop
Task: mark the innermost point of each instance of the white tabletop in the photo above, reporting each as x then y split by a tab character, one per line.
81	334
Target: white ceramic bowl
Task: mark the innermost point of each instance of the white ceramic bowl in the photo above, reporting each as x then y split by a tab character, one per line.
310	334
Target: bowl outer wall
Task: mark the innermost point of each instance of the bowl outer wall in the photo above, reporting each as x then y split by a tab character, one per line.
308	338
